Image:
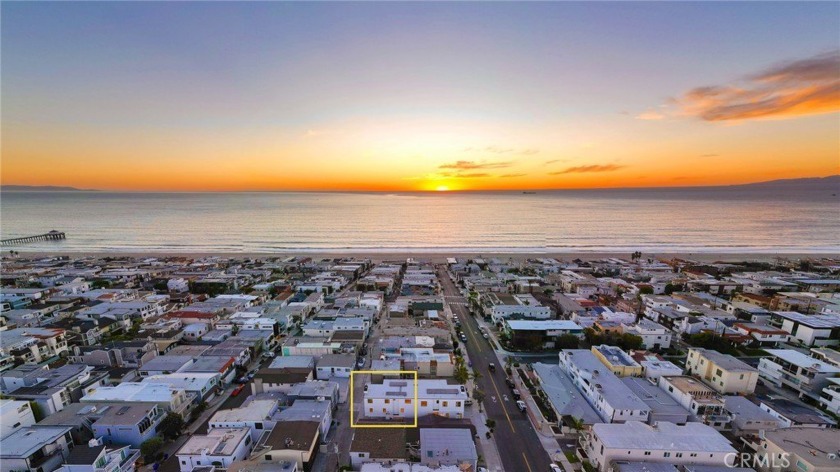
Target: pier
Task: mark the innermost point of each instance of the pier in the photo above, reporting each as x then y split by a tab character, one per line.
51	236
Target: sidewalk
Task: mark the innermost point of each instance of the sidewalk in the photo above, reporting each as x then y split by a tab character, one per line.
542	427
171	448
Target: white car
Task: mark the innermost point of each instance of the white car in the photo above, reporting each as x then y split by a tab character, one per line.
556	468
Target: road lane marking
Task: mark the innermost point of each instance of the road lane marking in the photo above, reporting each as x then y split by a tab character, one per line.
526	462
504	408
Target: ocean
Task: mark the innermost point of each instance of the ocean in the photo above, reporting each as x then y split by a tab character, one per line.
716	220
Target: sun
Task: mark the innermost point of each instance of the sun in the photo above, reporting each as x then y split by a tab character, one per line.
441	188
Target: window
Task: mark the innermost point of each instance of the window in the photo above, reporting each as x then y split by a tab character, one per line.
268	457
718	372
457	403
742	377
408	401
370	400
429	453
666	454
258	425
647	453
387	401
602	448
445	403
423	403
371	410
679	454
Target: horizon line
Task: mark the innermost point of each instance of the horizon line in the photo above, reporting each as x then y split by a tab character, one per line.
71	189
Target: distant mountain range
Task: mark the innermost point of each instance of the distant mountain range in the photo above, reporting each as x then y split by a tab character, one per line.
42	188
830	181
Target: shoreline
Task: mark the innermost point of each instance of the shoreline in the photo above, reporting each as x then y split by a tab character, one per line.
438	256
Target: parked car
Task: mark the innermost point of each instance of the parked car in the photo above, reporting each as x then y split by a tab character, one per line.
521	405
516	394
555	468
509	382
237	390
492	367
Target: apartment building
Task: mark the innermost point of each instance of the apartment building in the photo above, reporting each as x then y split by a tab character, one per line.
654	335
14	415
395	399
804	374
256	415
502	305
613	400
33	345
692	443
722	372
810	330
219	447
36	448
617	361
127	424
163	395
698	398
806	450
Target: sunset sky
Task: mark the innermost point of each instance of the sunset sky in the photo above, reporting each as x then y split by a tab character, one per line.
408	96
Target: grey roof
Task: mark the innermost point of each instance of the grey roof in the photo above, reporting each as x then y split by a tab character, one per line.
337	360
725	361
26	441
665	436
799	413
663	407
811	444
618	395
293	361
745	410
563	395
84	455
166	363
447	445
130	414
305	410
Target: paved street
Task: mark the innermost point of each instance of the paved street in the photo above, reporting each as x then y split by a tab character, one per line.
517	442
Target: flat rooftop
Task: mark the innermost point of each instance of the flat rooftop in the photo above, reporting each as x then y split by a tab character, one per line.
618	395
255	410
26	441
812	444
725	361
803	360
217	442
616	356
665	436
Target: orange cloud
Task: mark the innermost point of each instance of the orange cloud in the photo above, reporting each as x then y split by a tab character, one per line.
797	88
471	165
588	169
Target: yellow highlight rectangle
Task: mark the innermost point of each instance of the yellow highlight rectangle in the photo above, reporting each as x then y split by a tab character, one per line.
383	372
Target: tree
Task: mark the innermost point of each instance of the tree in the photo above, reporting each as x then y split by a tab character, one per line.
566	341
37	411
461	374
478	396
100	283
150	447
171	426
646	290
